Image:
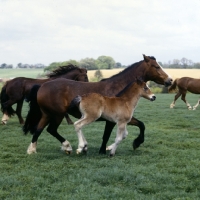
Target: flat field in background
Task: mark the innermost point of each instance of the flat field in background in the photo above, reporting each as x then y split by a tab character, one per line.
165	166
33	73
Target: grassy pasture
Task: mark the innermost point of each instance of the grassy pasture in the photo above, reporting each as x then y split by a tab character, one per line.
165	166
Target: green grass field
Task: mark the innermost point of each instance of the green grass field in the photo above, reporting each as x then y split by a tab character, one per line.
12	73
165	166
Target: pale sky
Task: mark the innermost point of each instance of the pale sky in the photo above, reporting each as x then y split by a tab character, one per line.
46	31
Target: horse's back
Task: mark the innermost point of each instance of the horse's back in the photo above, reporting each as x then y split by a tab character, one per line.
190	84
57	95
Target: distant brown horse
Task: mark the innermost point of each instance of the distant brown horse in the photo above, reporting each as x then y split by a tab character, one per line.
15	90
185	84
117	109
50	102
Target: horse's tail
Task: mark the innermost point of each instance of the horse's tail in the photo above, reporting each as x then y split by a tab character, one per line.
34	114
173	86
3	99
75	102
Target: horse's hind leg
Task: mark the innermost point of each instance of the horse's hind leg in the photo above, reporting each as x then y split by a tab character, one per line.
107	132
5	118
69	121
186	102
42	123
82	143
175	98
19	111
140	139
195	107
52	129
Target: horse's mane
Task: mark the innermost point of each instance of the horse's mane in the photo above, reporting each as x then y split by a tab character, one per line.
124	71
122	91
128	68
62	70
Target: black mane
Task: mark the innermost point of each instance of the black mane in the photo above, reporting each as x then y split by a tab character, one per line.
122	91
124	71
128	68
62	70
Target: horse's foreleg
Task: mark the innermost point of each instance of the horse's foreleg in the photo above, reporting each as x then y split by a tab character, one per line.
119	137
124	136
175	98
19	111
140	139
107	132
195	107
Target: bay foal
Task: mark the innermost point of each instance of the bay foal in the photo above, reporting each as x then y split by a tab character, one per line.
117	109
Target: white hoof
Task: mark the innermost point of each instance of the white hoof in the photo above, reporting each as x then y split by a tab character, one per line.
4	122
78	151
194	108
108	148
82	150
66	146
172	106
31	149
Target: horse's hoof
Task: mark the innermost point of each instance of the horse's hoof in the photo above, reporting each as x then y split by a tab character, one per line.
68	152
78	151
3	122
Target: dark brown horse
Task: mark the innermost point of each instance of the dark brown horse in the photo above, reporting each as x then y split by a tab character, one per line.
185	84
15	90
53	98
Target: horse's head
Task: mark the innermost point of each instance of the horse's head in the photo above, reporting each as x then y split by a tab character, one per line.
155	72
145	90
82	77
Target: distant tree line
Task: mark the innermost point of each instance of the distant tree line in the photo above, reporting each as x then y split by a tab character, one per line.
102	62
6	66
183	63
23	66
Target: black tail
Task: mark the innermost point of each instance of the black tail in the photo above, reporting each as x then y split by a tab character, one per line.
34	113
4	98
75	102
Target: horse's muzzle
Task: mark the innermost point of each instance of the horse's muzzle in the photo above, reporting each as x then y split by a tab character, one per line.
153	98
168	82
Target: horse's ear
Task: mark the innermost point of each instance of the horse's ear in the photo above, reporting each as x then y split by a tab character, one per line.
83	70
146	58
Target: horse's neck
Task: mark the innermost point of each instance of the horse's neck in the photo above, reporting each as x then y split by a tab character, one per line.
131	96
130	75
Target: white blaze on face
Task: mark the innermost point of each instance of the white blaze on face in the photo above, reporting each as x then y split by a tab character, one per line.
165	71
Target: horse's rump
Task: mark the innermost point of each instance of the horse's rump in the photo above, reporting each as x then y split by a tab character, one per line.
3	99
173	86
